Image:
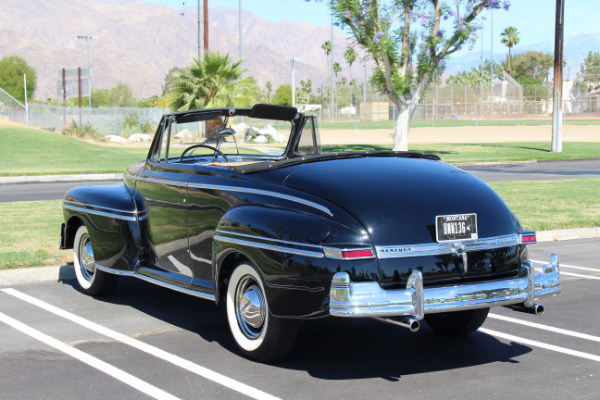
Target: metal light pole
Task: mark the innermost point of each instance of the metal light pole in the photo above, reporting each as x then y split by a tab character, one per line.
87	41
331	72
557	121
293	60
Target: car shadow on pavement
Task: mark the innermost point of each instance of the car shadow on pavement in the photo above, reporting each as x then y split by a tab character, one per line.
328	348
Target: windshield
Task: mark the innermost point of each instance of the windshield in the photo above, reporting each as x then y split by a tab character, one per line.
245	136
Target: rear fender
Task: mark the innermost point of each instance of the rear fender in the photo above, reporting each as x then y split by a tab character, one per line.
112	219
287	248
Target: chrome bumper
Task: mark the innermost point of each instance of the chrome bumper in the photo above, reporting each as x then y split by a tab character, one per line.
368	299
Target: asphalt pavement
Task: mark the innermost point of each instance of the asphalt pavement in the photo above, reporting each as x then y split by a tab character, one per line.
144	341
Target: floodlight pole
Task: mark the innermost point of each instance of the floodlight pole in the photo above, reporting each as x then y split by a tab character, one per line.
557	121
293	60
87	41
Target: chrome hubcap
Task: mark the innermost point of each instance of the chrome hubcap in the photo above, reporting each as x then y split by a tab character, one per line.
86	257
250	307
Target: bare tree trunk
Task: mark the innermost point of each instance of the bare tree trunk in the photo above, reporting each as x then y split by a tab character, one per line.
402	127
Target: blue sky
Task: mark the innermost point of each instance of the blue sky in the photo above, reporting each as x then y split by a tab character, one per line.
534	19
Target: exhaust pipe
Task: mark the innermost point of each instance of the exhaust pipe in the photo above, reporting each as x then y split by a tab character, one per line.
536	309
411	324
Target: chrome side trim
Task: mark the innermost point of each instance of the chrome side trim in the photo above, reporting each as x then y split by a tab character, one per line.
261	192
329	252
266	246
368	299
206	296
103	211
238	189
119	272
202	295
254	237
436	249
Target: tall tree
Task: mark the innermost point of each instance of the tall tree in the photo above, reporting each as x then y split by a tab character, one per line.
510	38
391	31
532	65
327	48
12	69
588	77
283	95
210	82
350	56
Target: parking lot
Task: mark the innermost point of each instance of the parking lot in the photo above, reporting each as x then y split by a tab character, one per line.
145	341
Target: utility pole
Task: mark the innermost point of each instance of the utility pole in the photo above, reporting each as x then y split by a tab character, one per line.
557	121
199	30
205	25
240	23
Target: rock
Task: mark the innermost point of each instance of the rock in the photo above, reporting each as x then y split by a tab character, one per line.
139	138
115	139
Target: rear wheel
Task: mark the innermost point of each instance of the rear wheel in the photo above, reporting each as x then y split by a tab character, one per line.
458	322
91	280
258	334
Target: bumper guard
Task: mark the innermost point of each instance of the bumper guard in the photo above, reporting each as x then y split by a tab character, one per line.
368	299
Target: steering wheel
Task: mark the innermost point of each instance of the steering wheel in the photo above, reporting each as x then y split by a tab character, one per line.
217	151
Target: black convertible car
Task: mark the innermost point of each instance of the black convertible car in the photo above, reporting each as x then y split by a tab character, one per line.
242	206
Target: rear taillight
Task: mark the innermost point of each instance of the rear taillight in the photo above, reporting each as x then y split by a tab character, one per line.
528	237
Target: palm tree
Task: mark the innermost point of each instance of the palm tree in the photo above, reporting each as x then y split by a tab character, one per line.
337	68
350	56
327	48
510	37
213	81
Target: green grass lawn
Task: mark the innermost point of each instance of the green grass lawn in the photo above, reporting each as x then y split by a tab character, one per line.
27	151
30	231
487	152
450	123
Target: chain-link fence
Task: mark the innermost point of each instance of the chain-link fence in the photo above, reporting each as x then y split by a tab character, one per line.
501	100
106	121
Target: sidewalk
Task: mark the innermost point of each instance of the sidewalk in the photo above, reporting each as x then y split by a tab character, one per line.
59	178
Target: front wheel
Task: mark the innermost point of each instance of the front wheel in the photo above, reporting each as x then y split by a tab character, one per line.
458	322
259	335
91	280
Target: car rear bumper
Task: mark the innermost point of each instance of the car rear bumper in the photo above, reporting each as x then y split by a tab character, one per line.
368	299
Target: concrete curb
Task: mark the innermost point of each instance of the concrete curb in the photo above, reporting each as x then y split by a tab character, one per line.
59	178
20	276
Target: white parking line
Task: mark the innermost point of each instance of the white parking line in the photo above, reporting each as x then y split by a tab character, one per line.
543	345
546	328
570	266
149	349
92	361
596	278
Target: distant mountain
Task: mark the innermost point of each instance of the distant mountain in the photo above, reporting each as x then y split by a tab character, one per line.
575	49
139	42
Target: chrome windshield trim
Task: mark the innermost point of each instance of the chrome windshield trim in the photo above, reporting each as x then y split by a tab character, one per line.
239	189
102	211
436	249
266	246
